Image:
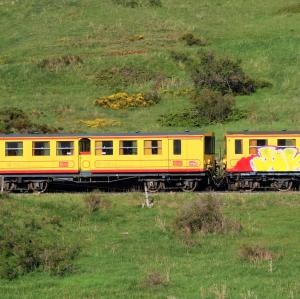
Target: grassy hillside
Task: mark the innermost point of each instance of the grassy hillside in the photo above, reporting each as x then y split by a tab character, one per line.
123	244
264	35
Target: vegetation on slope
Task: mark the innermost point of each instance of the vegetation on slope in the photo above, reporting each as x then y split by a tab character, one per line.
100	36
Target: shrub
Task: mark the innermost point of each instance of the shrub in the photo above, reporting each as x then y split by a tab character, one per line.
15	120
208	107
191	40
180	57
221	74
205	216
211	106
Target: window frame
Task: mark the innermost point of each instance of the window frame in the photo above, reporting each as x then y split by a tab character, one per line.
211	150
255	147
17	149
101	148
64	148
129	150
284	146
47	149
155	149
177	149
240	152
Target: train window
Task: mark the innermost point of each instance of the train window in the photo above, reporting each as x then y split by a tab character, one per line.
64	148
104	147
255	143
177	147
152	147
238	143
286	142
14	148
41	148
128	147
209	145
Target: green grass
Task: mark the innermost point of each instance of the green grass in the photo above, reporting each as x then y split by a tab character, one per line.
123	243
264	35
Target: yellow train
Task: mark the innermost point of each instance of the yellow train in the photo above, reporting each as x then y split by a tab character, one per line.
160	160
262	160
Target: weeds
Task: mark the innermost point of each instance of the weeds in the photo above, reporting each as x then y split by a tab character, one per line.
255	253
53	64
123	77
93	202
156	279
290	9
205	216
191	40
138	3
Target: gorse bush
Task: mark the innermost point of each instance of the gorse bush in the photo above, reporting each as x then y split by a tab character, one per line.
123	100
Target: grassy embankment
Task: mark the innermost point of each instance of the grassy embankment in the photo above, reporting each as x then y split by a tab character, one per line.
263	34
122	244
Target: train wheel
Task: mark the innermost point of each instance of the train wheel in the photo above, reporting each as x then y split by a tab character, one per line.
284	186
37	186
189	186
154	186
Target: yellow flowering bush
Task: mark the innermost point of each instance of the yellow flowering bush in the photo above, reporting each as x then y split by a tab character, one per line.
123	100
100	122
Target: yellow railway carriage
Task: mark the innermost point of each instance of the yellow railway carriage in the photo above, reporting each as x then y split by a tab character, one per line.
178	159
263	159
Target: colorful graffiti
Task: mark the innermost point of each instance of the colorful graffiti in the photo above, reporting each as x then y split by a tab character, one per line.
270	158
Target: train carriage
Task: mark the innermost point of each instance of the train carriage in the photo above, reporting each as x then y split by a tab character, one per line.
160	159
268	160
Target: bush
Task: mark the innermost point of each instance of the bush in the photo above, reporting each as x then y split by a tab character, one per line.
191	40
205	216
208	107
15	120
221	74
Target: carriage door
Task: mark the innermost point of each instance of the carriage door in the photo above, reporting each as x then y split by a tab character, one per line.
85	155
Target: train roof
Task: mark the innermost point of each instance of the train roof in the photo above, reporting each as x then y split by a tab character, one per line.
111	134
246	132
